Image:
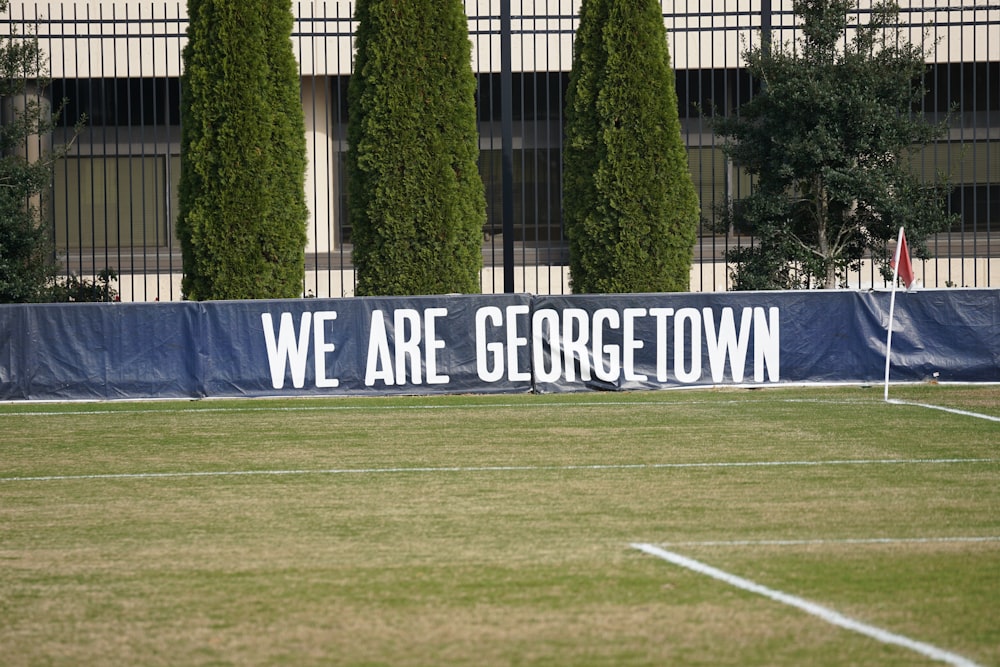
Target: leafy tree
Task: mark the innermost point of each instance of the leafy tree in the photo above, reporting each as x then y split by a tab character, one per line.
27	261
827	139
629	205
417	201
242	221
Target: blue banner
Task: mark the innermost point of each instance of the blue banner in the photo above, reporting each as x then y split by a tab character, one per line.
492	343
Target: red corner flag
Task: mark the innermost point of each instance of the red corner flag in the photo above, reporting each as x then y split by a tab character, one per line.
901	262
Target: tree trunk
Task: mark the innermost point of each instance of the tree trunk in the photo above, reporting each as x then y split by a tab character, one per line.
822	217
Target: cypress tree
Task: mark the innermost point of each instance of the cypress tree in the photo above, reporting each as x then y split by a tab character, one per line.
630	207
417	202
242	221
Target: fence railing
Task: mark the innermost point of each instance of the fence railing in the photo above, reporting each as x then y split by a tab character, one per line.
114	197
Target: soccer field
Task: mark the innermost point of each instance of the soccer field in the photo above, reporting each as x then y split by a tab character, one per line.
793	526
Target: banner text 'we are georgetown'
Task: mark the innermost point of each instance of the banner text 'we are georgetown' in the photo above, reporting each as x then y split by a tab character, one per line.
632	345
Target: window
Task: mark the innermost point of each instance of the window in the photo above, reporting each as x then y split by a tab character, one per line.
119	102
112	202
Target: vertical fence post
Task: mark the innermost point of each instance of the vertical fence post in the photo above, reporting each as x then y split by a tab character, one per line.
765	24
507	145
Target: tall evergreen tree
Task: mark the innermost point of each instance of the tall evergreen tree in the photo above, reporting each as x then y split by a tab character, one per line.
629	205
827	140
417	201
242	221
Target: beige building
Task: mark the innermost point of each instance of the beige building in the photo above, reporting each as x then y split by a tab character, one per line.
115	197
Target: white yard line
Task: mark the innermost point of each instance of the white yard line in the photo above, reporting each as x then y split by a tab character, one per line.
202	405
956	411
488	469
859	541
824	613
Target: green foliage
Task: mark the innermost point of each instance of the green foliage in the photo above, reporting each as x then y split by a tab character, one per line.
81	290
242	221
630	207
417	201
27	262
826	140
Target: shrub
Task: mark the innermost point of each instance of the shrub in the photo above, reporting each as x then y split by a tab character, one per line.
80	290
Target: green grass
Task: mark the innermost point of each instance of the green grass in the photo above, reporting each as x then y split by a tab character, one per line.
470	530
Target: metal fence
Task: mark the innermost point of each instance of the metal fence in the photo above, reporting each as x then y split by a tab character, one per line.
114	197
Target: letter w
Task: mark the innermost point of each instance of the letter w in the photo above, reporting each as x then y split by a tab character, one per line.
287	348
726	343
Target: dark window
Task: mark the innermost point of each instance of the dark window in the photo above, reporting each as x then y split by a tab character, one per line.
119	102
978	205
712	91
968	86
534	95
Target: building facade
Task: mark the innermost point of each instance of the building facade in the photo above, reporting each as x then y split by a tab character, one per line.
118	64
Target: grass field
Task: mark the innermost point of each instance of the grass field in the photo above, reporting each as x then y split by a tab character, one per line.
471	530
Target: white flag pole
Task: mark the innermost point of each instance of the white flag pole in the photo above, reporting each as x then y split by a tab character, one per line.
892	308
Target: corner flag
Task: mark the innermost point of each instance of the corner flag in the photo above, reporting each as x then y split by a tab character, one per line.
901	262
900	267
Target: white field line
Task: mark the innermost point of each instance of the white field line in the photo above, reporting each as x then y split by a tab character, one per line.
964	413
846	541
824	613
199	406
489	469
